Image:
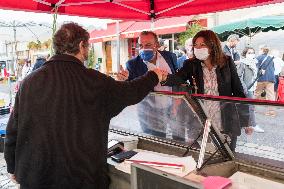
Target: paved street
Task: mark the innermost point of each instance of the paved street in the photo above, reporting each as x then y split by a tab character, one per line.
269	144
5	182
4	91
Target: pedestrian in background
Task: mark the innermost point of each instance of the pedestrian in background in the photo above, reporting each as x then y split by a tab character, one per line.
265	83
278	65
230	47
247	72
26	70
188	53
39	62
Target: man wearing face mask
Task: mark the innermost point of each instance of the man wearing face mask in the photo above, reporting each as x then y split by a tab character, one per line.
149	58
230	47
152	112
57	133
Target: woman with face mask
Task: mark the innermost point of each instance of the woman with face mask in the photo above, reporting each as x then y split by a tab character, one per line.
211	72
247	72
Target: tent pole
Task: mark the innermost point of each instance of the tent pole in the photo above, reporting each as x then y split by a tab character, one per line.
249	36
173	42
152	24
53	28
153	15
117	47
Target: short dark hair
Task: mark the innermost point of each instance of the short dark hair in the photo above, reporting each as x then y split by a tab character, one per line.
151	33
246	50
68	38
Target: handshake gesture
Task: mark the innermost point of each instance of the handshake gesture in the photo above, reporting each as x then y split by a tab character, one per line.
123	74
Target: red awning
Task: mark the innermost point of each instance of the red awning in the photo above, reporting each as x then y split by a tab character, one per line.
109	34
133	29
161	26
131	9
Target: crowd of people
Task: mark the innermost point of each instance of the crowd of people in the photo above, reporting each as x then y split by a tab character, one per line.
57	133
259	72
25	69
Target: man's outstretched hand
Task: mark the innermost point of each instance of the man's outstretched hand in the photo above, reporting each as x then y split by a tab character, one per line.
122	74
162	75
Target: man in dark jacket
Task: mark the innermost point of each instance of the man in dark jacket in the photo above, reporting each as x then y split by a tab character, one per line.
39	62
230	47
149	57
155	121
57	133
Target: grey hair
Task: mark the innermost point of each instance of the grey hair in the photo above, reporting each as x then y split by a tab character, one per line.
233	37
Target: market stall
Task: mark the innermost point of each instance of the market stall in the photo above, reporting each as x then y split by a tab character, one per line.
174	124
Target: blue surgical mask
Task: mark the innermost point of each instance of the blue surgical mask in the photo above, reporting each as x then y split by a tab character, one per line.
146	54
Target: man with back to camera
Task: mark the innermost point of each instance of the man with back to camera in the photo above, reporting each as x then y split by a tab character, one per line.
266	80
230	48
58	139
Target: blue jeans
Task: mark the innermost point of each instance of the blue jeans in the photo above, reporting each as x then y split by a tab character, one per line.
252	122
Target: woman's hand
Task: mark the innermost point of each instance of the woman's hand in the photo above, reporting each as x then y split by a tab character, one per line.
13	178
249	130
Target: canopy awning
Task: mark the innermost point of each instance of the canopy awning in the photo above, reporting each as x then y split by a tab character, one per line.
131	9
250	27
133	29
109	34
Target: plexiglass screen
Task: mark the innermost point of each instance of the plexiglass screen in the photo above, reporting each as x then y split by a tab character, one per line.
164	116
263	139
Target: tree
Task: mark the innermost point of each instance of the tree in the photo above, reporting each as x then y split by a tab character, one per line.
33	45
38	45
91	58
189	33
46	44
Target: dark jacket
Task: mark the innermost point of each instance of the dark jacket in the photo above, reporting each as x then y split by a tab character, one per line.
39	62
57	133
181	60
268	66
236	56
233	118
137	67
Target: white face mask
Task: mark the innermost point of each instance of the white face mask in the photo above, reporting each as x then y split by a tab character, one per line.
250	56
201	54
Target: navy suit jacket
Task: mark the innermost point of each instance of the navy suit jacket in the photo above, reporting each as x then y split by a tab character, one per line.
136	67
236	55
